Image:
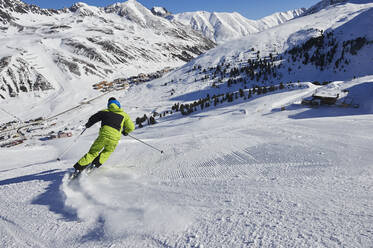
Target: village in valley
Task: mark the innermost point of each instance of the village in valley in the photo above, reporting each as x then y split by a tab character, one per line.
14	133
232	81
252	73
124	83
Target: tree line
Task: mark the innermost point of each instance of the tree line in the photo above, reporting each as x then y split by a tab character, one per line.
207	102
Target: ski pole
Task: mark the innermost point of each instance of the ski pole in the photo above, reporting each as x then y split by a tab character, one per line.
68	149
146	143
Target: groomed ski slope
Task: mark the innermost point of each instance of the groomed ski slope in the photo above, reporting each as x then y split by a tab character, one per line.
240	175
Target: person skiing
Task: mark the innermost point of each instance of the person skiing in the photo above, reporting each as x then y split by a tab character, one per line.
114	122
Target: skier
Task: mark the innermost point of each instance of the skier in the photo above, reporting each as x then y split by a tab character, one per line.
114	122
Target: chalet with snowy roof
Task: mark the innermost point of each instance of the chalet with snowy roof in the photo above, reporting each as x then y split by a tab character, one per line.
325	98
321	98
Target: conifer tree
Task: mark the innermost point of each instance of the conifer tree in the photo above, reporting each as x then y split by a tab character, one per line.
241	92
216	101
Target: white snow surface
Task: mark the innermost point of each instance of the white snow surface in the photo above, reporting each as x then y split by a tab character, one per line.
238	175
223	26
242	174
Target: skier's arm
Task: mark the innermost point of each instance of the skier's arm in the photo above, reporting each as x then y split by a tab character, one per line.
94	119
129	126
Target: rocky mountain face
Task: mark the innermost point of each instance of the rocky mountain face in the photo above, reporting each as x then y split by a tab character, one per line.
17	75
7	7
46	49
161	11
223	27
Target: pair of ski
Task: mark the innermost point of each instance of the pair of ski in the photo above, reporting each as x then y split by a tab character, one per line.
76	174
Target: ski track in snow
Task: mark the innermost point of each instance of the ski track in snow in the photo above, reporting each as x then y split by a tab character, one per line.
265	179
269	181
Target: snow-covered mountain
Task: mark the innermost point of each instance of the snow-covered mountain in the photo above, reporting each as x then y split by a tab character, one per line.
87	43
7	7
335	43
222	27
322	5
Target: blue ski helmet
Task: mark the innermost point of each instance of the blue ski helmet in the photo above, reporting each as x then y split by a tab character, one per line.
113	100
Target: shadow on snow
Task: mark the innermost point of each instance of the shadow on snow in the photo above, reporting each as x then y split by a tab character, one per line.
52	196
361	95
29	165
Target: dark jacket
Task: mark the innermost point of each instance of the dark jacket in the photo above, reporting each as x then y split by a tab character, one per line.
114	121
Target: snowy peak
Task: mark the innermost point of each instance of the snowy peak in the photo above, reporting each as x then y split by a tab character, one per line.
281	17
18	6
133	11
222	27
84	9
122	7
13	5
335	44
8	9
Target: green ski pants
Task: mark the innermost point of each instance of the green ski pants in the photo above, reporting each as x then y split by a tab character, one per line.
102	147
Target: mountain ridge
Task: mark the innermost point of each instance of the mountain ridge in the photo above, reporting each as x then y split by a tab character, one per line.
88	43
305	49
222	26
210	25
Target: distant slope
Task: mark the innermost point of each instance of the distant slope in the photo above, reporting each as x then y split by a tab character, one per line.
222	27
87	44
322	5
279	18
334	44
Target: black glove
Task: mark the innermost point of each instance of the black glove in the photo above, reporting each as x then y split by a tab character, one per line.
124	133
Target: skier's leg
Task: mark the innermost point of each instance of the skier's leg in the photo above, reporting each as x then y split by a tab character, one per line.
93	152
96	161
109	148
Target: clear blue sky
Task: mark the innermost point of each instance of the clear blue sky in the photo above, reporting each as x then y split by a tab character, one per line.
252	9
